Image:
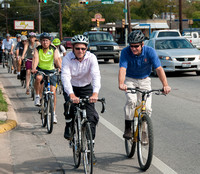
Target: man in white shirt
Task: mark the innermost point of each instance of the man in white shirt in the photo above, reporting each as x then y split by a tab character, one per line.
8	44
80	78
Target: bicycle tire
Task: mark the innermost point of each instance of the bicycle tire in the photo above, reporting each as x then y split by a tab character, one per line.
3	61
50	114
60	87
22	83
43	107
76	145
87	146
145	151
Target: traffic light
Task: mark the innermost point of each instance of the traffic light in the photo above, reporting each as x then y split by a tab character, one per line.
123	23
44	1
97	22
83	2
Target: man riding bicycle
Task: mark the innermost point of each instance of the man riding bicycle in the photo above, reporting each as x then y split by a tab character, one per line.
18	40
19	52
61	49
45	56
136	63
80	77
8	44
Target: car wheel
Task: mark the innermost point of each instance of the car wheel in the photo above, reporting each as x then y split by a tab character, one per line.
116	60
198	73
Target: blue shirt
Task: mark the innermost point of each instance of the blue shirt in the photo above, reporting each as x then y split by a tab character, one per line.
139	67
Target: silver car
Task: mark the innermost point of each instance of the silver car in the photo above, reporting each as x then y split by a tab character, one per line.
176	54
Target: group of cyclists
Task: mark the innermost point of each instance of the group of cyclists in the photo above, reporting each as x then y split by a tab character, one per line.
80	73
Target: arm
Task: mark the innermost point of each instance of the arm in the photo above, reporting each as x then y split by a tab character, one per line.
163	79
57	59
12	46
35	61
121	79
25	49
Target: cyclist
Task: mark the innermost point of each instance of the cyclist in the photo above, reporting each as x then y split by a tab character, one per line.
61	48
18	39
28	52
8	44
136	63
45	55
80	77
19	52
1	50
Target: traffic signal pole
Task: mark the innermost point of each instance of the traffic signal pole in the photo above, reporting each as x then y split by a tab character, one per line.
60	20
39	18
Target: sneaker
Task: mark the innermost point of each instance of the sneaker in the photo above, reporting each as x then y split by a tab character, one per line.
144	138
18	76
127	134
68	134
55	119
37	101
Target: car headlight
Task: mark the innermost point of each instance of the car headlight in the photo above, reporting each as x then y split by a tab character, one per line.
116	47
165	57
93	48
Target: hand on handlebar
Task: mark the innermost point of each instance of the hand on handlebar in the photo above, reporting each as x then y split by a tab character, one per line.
166	89
123	87
74	99
34	71
94	98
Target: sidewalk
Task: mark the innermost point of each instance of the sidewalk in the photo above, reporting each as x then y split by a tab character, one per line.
9	117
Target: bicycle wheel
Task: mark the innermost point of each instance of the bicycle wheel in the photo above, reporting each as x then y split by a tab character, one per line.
60	87
76	146
43	107
87	147
32	87
3	61
50	114
22	83
145	142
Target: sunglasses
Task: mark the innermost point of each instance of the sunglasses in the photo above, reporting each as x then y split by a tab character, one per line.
134	46
77	48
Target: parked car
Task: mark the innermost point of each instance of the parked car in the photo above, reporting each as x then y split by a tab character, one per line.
193	37
102	44
165	33
66	42
176	54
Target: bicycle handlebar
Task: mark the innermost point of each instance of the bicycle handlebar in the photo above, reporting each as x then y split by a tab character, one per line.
42	73
87	100
157	91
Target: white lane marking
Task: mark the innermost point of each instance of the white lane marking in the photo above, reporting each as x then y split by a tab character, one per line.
156	162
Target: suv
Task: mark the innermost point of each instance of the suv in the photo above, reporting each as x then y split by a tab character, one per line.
103	45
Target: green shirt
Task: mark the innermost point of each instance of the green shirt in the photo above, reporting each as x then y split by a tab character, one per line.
46	60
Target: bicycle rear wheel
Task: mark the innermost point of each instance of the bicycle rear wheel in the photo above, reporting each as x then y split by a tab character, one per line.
145	142
43	108
50	114
76	145
87	146
3	61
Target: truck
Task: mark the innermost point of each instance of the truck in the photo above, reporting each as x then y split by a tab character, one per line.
193	37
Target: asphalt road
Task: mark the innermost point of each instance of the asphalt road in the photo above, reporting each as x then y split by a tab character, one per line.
175	120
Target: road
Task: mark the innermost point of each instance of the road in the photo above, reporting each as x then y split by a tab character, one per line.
175	119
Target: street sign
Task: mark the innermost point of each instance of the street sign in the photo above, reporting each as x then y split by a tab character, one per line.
125	10
107	1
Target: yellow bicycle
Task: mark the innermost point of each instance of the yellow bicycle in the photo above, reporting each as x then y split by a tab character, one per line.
142	131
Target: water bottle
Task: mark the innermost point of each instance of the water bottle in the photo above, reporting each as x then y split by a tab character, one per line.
135	123
48	87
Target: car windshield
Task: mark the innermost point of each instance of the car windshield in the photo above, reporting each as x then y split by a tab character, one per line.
173	44
100	37
168	34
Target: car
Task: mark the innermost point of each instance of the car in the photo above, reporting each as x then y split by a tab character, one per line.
102	44
165	33
66	42
176	54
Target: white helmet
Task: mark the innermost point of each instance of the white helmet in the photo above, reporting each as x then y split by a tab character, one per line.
23	37
79	39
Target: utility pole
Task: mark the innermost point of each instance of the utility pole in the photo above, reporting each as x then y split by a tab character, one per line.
39	18
126	21
129	18
60	20
180	17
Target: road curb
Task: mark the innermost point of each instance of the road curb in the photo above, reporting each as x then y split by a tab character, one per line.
11	121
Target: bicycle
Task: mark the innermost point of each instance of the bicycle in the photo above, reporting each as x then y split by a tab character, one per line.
7	60
82	137
59	87
47	103
142	129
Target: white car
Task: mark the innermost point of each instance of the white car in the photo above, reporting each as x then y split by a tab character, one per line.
176	54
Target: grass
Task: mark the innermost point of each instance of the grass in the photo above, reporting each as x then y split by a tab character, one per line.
2	122
3	103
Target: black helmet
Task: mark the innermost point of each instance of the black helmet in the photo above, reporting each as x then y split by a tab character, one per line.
45	36
135	36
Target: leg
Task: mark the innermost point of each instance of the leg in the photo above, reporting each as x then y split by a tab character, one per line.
28	74
38	87
19	62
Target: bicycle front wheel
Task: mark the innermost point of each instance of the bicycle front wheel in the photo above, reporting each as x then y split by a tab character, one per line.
87	146
42	112
50	114
145	142
76	145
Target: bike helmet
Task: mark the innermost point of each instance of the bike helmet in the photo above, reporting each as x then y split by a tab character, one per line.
79	39
45	36
32	34
7	35
23	37
56	41
18	35
135	36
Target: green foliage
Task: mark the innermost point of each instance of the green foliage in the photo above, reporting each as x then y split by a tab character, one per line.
3	103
